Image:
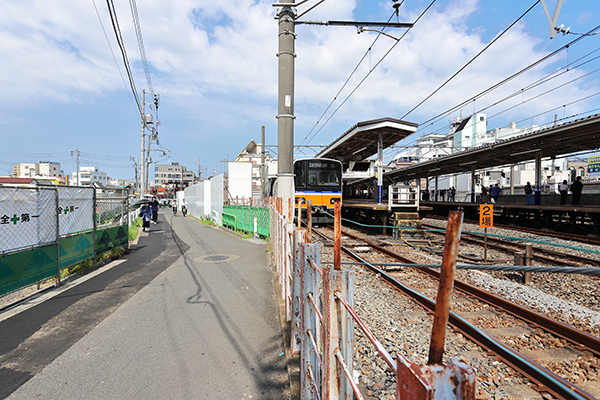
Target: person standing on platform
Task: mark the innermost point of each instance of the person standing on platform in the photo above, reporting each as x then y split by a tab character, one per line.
452	194
576	188
495	193
529	194
564	190
154	210
484	194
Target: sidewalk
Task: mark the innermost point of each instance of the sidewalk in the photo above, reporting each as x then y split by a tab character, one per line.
206	327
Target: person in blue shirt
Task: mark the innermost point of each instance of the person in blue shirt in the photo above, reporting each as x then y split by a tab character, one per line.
495	193
146	217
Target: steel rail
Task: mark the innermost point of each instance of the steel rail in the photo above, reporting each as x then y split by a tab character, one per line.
567	236
545	379
503	245
572	335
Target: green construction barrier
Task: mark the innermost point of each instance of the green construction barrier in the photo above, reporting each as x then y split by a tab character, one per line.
30	266
242	218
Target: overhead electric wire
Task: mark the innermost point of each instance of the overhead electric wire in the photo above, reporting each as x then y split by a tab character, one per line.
504	81
372	69
117	29
113	53
140	40
345	83
472	59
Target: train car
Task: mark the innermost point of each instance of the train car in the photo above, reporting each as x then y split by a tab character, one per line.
320	181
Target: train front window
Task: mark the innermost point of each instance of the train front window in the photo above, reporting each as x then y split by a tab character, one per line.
324	175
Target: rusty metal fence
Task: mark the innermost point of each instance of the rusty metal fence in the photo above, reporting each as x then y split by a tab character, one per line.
319	306
45	229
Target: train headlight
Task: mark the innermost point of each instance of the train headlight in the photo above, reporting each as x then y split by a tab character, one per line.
334	199
300	200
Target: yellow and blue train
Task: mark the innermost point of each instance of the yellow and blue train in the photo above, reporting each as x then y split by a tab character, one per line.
318	180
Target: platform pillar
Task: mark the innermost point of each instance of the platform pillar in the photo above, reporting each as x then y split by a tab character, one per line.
538	180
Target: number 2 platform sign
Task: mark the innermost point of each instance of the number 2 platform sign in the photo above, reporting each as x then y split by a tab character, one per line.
486	216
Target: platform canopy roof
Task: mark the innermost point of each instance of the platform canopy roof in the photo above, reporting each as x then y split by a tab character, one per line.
360	142
560	140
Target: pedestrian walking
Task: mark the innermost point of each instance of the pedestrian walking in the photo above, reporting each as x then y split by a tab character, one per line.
495	193
576	188
146	217
564	190
529	194
154	206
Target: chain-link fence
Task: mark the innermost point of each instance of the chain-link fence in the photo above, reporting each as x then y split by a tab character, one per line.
46	229
244	217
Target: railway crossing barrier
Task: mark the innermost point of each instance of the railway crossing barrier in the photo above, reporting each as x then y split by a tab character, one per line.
319	306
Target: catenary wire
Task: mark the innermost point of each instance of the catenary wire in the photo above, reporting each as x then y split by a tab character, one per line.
371	70
470	61
345	83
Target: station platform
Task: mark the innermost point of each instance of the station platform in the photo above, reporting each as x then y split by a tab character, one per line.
198	318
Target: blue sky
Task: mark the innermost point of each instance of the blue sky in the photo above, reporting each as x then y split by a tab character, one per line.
213	63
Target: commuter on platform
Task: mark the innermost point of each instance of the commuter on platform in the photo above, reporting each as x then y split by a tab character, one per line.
484	194
576	188
495	193
426	195
443	195
452	194
564	190
529	194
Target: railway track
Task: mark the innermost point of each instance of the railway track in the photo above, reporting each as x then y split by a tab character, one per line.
542	255
544	378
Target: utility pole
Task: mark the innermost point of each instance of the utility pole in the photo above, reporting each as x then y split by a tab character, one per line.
143	152
76	154
263	167
285	109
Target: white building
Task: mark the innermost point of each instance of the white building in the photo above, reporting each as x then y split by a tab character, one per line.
88	175
43	168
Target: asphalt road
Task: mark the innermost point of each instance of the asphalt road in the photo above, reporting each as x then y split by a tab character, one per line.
32	339
191	314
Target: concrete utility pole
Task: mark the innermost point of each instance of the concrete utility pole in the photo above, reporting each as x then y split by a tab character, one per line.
263	167
143	152
285	110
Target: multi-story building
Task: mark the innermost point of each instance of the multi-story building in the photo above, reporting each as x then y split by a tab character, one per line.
173	176
252	154
42	168
87	176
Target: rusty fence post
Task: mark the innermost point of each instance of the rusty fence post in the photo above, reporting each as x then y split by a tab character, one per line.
436	381
311	338
337	237
338	333
309	220
289	260
298	271
442	303
528	261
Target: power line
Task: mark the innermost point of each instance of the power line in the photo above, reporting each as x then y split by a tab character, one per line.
506	80
472	59
113	53
115	23
371	70
140	40
345	83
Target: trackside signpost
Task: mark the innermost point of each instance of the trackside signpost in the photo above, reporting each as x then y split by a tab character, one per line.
486	220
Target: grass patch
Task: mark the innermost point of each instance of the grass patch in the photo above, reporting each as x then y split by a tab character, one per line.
206	220
133	230
88	265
